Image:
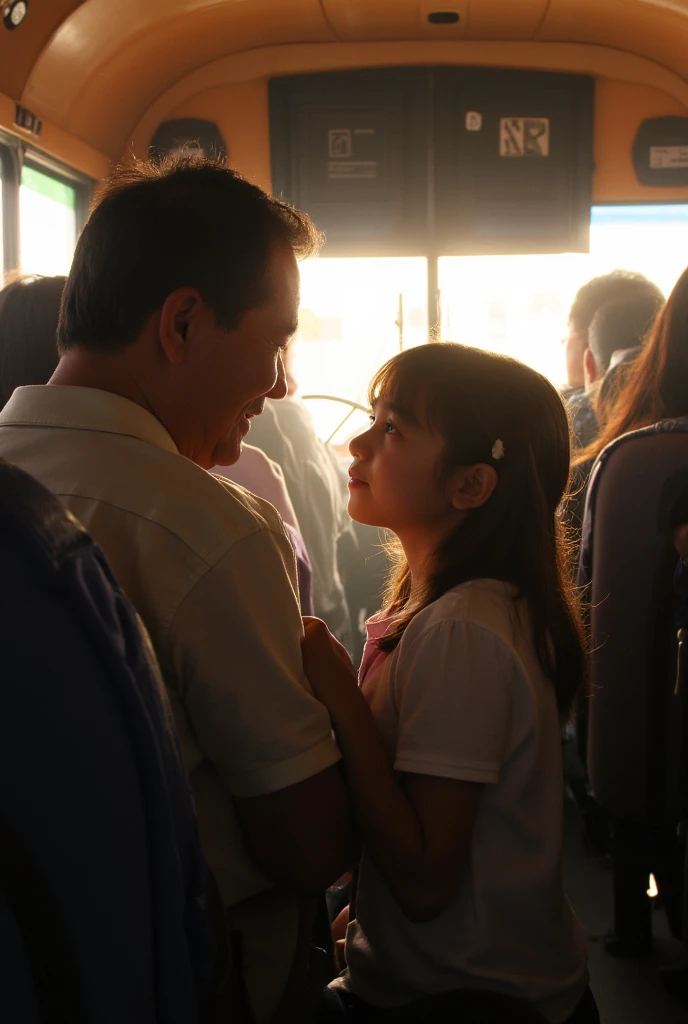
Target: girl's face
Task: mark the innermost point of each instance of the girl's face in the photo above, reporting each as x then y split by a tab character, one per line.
394	479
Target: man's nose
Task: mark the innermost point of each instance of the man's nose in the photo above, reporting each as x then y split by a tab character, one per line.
279	388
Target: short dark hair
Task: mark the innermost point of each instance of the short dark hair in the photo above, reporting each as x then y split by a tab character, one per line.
179	222
616	285
621	324
29	311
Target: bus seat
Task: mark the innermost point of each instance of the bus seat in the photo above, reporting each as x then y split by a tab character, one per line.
633	717
100	867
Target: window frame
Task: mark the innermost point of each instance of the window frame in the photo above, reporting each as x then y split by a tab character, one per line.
14	154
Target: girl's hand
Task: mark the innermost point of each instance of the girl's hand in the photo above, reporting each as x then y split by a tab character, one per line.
339	926
327	665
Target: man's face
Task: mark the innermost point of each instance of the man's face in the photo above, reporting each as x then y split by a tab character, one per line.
575	345
229	374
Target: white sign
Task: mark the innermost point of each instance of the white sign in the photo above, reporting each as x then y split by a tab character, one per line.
339	143
668	156
474	121
524	136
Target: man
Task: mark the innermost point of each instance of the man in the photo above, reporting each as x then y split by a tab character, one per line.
619	325
618	284
581	370
182	296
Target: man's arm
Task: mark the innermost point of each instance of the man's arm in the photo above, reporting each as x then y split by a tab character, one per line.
237	659
300	837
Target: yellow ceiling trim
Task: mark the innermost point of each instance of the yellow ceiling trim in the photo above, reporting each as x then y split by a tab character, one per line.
267	62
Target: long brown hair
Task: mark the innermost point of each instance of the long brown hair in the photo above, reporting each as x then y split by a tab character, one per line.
656	385
473	399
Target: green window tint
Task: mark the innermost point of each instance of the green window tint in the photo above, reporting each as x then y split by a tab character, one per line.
47	223
49	187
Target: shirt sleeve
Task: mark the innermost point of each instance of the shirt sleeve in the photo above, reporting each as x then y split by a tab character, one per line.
236	649
451	686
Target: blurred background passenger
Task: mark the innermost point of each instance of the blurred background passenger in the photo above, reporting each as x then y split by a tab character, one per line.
619	328
264	477
317	486
620	325
612	384
592	296
655	389
29	312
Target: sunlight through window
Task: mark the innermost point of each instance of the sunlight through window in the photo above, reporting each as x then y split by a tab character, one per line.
356	313
47	212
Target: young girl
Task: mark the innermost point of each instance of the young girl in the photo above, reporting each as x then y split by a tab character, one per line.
452	743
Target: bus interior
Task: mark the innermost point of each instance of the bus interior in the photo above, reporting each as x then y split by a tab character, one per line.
472	163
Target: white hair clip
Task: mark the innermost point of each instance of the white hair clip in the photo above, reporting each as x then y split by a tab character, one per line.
498	450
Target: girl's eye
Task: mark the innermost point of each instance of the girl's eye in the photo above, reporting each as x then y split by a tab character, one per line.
390	428
371	418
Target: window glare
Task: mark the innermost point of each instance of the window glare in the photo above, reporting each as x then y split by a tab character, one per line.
516	305
519	305
47	212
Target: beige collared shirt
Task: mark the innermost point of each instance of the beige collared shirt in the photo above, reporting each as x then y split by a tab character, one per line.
212	574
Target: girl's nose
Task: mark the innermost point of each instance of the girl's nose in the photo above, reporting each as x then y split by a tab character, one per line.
358	445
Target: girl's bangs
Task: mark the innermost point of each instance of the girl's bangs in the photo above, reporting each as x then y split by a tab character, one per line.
397	383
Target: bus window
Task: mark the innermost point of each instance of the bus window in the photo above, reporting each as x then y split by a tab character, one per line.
518	305
47	216
355	314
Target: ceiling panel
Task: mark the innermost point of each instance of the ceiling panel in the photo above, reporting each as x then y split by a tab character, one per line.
656	29
408	19
110	60
20	49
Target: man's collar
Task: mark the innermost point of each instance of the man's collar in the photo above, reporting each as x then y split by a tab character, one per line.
52	405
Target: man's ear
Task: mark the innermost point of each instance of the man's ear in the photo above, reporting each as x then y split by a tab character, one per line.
590	369
473	486
179	311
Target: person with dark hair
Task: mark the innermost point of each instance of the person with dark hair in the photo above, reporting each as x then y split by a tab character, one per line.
618	325
182	295
655	388
451	744
29	311
619	284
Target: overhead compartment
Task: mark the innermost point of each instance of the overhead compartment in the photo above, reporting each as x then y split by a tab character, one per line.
514	161
442	161
351	149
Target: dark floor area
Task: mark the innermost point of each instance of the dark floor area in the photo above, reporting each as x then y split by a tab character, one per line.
627	991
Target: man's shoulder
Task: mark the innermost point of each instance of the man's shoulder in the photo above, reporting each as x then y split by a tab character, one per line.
205	513
208	513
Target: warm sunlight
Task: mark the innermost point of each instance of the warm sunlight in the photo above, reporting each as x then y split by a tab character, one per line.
518	305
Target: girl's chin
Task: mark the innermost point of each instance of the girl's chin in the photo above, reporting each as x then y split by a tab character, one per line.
360	515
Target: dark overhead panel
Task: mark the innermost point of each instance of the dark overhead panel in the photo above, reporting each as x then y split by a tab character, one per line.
351	149
407	161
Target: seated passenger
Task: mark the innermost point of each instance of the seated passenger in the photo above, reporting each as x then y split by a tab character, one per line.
182	295
612	385
620	325
29	311
655	389
583	370
452	743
